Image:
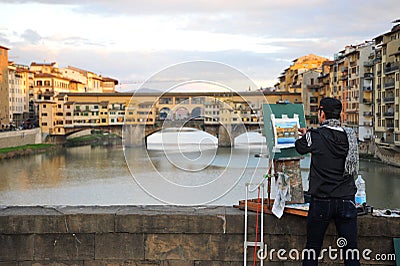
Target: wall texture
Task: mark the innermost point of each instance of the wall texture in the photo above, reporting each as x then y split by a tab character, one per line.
160	235
20	138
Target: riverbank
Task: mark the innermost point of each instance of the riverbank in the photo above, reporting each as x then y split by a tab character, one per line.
96	138
26	150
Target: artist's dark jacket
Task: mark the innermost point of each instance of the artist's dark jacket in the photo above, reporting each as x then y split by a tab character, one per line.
328	148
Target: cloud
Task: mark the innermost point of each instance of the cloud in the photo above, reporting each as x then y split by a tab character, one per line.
130	40
4	41
31	36
171	7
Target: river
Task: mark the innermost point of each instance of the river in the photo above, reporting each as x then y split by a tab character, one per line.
134	176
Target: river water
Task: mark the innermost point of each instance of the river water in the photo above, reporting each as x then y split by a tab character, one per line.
134	176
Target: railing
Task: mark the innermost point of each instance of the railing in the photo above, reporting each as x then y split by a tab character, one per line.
388	99
369	63
390	126
368	102
367	113
388	114
388	84
393	67
368	75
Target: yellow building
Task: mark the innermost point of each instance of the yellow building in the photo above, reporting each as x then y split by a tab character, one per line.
59	114
387	86
4	92
293	75
69	79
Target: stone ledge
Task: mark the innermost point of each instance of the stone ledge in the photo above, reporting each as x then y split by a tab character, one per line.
165	219
159	235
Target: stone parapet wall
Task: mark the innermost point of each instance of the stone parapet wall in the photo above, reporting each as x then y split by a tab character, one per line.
160	235
20	138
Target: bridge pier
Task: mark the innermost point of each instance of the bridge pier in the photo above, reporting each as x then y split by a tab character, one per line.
134	135
225	136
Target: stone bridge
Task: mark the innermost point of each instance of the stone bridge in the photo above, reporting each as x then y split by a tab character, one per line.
136	135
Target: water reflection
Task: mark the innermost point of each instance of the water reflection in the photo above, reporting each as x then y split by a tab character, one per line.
100	176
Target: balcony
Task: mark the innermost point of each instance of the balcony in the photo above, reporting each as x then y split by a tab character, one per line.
368	75
391	67
367	114
367	101
388	114
389	84
369	63
388	99
378	60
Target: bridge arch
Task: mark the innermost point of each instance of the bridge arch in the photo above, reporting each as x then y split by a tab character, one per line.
181	113
164	112
197	112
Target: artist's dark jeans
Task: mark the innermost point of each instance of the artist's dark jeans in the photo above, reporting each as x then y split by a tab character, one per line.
344	213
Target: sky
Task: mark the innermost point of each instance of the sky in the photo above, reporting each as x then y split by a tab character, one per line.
132	41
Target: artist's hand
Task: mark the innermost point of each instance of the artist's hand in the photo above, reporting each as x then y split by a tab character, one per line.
302	131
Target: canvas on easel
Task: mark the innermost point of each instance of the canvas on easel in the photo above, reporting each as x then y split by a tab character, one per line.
281	124
285	131
281	113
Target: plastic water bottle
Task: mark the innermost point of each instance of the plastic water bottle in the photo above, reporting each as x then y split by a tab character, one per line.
361	196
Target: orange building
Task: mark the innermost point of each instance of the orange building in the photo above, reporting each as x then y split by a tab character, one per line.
4	91
291	79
